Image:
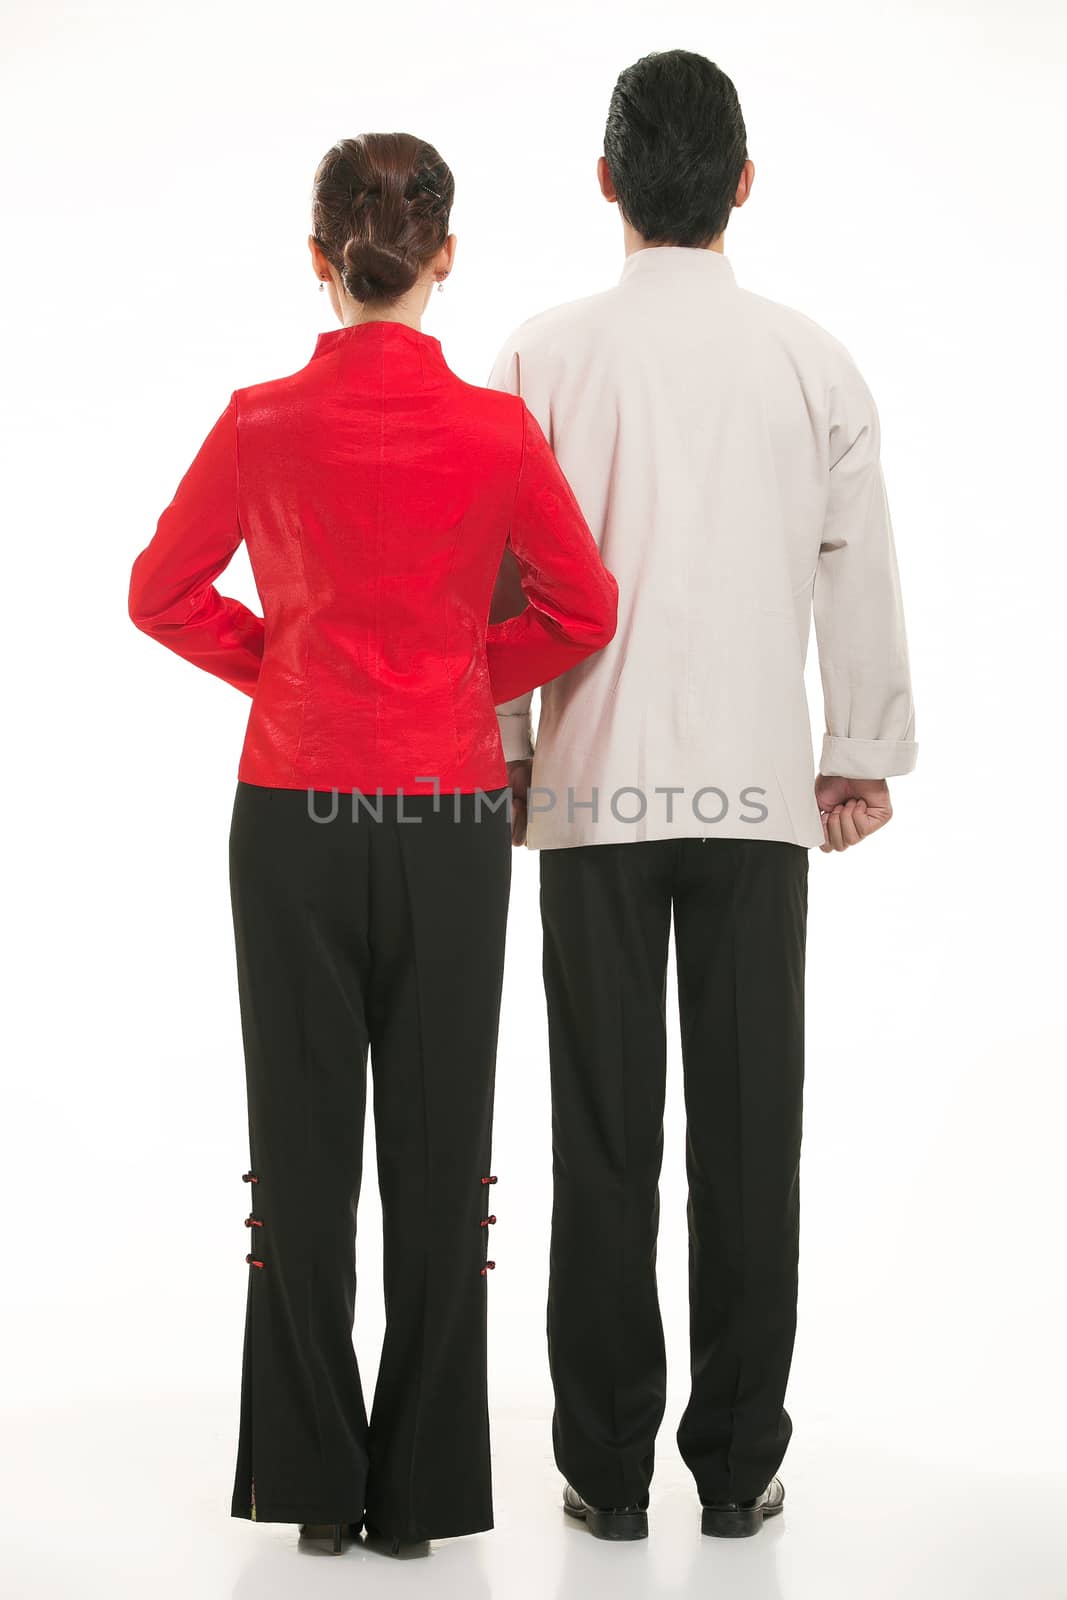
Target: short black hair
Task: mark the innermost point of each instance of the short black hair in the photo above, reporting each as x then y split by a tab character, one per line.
675	145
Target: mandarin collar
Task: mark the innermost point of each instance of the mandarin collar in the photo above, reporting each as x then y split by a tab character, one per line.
678	258
396	337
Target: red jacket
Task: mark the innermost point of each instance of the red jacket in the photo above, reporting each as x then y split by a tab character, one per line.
376	492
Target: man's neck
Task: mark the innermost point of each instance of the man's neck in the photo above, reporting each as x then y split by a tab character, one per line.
634	241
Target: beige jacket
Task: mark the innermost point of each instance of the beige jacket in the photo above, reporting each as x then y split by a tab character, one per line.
725	452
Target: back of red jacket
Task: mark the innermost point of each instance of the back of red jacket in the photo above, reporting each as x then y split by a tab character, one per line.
376	492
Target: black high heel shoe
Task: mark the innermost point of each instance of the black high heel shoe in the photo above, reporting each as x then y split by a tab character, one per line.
334	1531
396	1546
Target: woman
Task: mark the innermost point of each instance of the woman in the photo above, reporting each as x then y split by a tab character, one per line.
370	840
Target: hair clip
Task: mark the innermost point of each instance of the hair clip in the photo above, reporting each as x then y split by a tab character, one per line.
252	1262
253	1222
489	1265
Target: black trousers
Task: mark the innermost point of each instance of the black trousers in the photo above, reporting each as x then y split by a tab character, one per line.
740	912
356	934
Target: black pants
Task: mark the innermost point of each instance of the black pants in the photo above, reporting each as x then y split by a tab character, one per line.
740	911
388	935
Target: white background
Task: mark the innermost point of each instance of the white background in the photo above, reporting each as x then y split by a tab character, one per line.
909	181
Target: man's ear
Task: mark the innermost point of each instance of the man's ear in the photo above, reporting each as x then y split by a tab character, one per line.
744	183
607	187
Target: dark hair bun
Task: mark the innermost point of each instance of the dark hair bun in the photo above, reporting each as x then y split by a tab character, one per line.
380	209
374	270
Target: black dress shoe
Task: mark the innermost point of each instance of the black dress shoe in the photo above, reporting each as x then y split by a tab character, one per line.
607	1522
739	1519
407	1548
331	1532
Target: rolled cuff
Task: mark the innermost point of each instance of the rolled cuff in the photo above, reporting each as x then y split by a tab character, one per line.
867	758
516	734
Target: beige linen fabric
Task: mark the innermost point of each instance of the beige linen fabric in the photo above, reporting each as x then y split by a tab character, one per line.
725	451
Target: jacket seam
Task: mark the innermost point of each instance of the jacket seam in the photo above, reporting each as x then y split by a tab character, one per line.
306	668
448	663
376	631
448	623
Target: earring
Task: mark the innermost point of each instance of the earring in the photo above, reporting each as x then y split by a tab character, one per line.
322	284
440	285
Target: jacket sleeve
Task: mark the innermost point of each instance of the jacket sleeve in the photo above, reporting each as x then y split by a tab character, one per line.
172	595
571	597
515	717
859	617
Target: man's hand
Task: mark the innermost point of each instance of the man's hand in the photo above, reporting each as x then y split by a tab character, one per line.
851	808
519	773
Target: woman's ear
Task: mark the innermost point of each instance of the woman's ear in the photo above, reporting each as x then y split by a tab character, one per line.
318	260
441	264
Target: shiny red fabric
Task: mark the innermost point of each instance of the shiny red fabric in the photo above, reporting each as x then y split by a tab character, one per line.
376	492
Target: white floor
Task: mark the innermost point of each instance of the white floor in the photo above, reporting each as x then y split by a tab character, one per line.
136	1503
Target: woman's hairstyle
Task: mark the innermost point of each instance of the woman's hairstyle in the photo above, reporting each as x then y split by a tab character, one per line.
379	211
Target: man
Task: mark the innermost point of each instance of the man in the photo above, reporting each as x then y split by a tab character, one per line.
725	451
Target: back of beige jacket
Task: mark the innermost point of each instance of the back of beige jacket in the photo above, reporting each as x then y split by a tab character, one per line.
725	452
